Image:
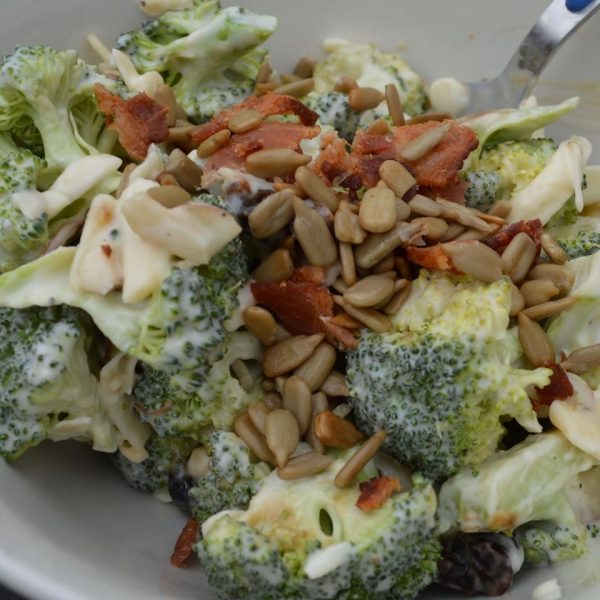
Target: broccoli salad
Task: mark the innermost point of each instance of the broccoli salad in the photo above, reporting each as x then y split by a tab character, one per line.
327	319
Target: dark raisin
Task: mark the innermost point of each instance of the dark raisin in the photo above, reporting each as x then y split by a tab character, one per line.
179	489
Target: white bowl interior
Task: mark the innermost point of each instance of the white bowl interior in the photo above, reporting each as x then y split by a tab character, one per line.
70	527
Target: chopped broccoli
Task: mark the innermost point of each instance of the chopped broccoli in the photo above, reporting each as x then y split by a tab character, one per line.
505	169
333	109
537	509
41	90
306	538
442	381
208	56
578	238
232	479
48	389
371	68
164	455
189	401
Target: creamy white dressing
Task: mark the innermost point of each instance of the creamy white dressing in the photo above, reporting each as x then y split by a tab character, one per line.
322	562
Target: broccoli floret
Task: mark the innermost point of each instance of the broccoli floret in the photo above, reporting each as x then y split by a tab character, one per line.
512	165
306	538
440	383
537	510
371	68
333	109
232	479
48	389
187	402
40	91
207	55
580	238
164	455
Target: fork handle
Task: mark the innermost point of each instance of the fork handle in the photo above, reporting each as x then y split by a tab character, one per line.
554	27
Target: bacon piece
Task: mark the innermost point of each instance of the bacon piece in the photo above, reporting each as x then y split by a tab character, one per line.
454	192
533	229
268	105
139	121
334	158
266	135
559	388
431	257
311	275
184	546
299	305
375	492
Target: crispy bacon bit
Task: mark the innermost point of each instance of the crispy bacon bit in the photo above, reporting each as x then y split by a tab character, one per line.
432	257
267	135
139	121
533	229
184	546
559	388
298	304
334	158
375	492
311	275
268	105
339	177
106	250
454	192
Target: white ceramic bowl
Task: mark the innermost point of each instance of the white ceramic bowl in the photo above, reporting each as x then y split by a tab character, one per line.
70	528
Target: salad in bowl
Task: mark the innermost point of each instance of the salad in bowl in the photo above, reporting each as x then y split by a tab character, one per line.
348	337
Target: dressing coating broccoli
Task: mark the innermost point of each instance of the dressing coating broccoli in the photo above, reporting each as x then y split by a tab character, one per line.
441	381
232	479
533	504
306	538
207	55
578	238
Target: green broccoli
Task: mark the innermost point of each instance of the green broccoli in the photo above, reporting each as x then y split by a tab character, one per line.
232	479
442	382
371	68
536	508
208	56
48	389
578	238
41	90
511	166
306	538
189	401
164	455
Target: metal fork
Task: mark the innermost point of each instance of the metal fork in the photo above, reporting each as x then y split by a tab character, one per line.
554	27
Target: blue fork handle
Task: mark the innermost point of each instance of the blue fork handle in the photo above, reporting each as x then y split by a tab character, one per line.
577	5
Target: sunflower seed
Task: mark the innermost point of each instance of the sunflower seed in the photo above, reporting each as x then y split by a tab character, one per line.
339	285
454	230
187	173
394	104
245	120
582	360
289	354
421	205
420	146
500	208
315	370
258	412
215	142
319	404
313	235
378	127
474	259
345	85
316	189
169	196
267	86
369	317
535	343
385	266
357	462
268	385
165	96
181	136
336	432
517	300
466	216
518	256
538	291
403	267
296	399
274	162
562	277
369	291
377	212
379	245
277	267
305	67
342	410
273	400
246	431
346	225
553	250
364	98
297	89
433	116
282	434
335	385
432	228
271	214
345	320
261	324
398	299
396	177
347	262
303	465
547	309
